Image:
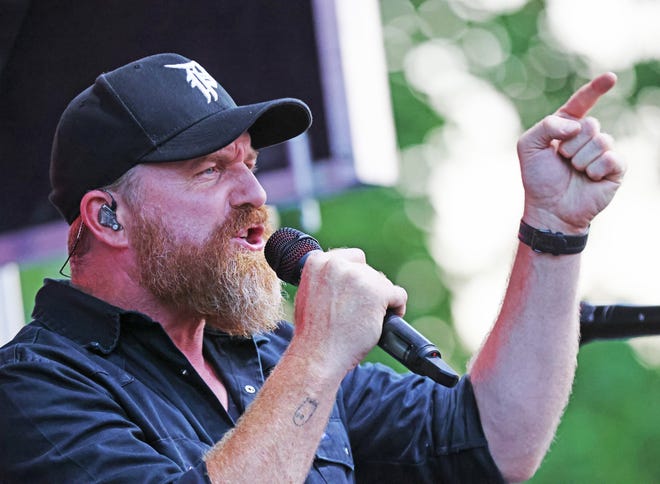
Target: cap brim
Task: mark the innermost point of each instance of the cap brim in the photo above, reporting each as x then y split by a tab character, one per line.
268	123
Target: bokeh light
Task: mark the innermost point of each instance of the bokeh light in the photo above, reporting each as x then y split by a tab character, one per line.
487	87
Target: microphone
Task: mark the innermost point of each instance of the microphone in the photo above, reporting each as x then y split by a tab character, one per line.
617	321
286	252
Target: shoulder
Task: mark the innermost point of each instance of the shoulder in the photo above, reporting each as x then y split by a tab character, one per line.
24	346
38	349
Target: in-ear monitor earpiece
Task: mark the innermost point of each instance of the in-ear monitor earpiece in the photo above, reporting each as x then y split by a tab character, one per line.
108	216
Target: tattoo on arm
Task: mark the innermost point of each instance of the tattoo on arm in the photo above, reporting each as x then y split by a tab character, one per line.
305	411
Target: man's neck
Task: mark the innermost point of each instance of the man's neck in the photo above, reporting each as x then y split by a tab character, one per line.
185	330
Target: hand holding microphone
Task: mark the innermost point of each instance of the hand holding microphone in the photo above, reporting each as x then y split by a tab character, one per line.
287	252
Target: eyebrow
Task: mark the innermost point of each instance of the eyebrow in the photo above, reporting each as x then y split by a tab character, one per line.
250	155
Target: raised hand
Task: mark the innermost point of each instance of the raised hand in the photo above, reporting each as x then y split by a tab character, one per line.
569	169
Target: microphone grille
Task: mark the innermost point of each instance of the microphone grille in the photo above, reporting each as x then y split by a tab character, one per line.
284	251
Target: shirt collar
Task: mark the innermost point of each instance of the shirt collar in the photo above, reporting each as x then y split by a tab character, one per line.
258	338
89	321
79	316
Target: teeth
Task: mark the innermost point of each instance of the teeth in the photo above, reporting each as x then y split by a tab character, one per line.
250	235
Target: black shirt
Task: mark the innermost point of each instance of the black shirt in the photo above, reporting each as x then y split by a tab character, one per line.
92	393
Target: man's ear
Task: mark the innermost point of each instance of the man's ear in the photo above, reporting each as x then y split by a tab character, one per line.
102	216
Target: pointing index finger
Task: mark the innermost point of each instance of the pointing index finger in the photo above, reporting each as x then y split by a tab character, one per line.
582	100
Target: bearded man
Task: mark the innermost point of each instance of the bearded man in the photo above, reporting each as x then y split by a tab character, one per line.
164	359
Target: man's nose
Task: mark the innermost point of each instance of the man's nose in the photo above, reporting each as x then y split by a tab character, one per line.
248	190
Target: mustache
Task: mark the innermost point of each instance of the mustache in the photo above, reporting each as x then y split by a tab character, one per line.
243	216
237	220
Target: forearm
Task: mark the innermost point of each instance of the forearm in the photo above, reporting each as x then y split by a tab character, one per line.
279	433
522	376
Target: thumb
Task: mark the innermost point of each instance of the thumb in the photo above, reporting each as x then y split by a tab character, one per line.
553	127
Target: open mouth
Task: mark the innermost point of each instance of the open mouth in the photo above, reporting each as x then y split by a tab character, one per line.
252	238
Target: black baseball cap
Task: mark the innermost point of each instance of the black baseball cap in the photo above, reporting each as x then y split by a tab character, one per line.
161	108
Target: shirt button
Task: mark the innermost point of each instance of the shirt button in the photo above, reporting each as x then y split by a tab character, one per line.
346	450
184	372
249	389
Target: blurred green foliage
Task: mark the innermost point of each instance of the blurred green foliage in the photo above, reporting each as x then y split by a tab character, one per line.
32	277
611	430
412	116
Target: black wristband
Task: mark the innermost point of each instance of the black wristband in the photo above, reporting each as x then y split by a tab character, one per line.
554	243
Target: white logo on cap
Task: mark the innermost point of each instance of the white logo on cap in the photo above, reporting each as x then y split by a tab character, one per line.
198	78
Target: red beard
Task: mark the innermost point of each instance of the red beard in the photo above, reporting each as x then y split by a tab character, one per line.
230	287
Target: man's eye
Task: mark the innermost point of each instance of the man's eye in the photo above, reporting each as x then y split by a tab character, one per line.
210	171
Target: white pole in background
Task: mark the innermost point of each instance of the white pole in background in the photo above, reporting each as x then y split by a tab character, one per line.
12	317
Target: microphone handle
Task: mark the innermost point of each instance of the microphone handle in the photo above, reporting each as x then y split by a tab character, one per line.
414	351
617	321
